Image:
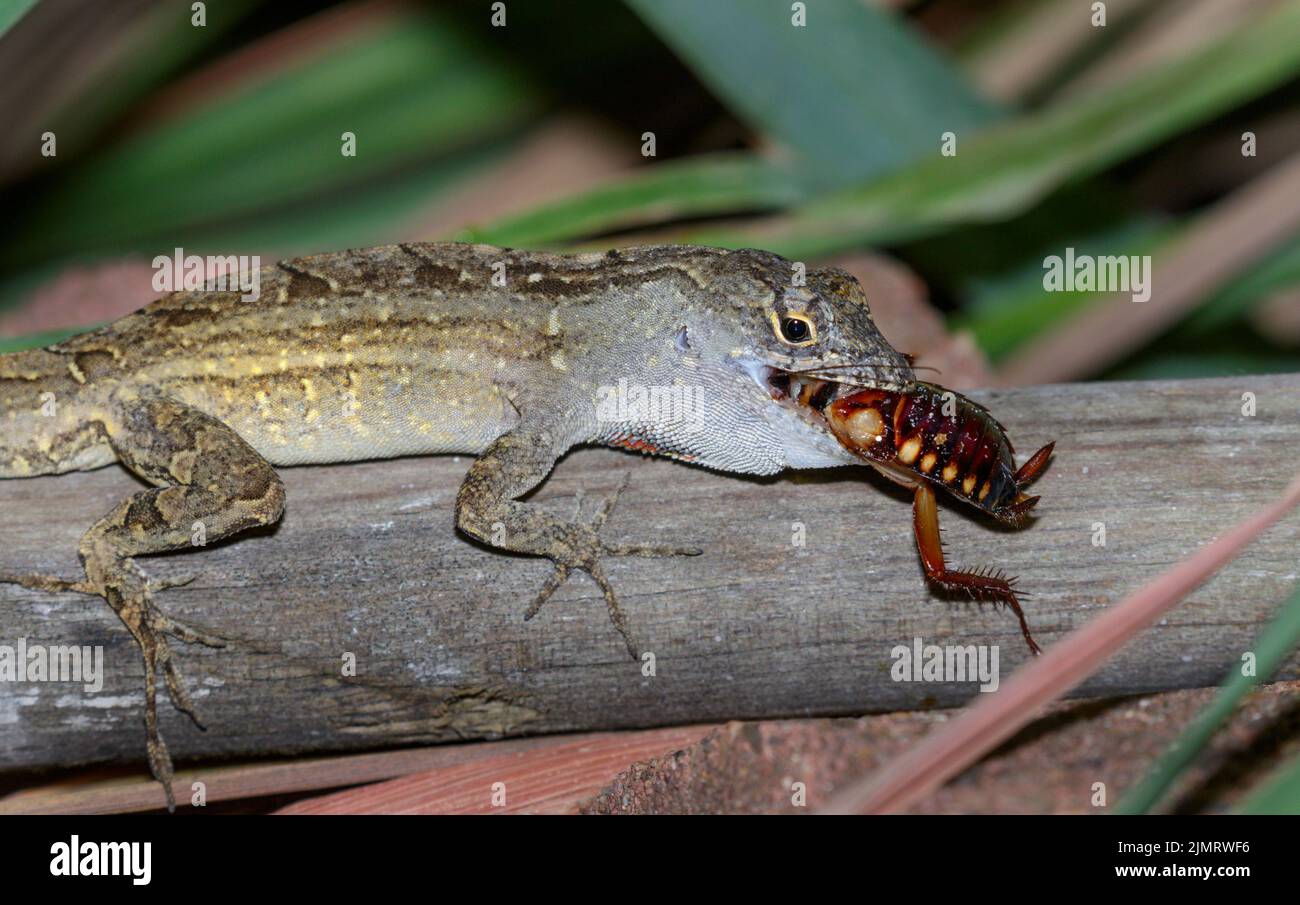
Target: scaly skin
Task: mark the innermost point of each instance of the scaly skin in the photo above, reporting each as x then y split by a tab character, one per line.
421	349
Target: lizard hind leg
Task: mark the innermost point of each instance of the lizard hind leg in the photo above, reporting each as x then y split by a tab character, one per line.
206	477
981	585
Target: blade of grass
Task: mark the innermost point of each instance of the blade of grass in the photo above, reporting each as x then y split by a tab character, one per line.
1169	30
698	186
409	91
1008	168
159	44
1271	650
1022	47
1004	314
1278	795
1231	235
1007	171
37	340
854	91
11	11
947	752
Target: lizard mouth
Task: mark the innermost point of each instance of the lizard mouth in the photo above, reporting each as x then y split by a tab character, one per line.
804	395
799	390
808	392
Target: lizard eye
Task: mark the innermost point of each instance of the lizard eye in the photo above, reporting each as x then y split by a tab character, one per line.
795	329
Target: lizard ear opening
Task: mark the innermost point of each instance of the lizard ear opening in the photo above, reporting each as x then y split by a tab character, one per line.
681	340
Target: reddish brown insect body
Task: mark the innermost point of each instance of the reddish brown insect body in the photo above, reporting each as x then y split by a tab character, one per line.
925	436
942	437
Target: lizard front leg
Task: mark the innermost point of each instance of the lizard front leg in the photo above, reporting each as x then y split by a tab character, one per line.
203	473
487	508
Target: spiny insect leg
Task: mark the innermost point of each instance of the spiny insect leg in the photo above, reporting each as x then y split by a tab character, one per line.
982	584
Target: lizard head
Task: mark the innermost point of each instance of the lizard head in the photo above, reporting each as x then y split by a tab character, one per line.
773	336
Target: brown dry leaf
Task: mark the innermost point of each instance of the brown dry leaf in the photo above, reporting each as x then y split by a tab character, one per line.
551	780
1278	317
1168	32
1047	768
1014	66
124	789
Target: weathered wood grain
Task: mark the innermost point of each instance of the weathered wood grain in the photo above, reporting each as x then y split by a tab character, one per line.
366	562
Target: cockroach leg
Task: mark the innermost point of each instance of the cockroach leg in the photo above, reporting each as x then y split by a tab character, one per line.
925	514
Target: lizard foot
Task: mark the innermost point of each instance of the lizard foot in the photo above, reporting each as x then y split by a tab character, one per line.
131	596
130	593
580	547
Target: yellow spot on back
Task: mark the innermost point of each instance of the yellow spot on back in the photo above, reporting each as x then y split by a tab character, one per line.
866	426
910	450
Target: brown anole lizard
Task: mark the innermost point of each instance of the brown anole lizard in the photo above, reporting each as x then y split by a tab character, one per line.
410	349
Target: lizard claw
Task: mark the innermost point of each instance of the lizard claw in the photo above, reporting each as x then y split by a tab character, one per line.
648	550
48	583
162	584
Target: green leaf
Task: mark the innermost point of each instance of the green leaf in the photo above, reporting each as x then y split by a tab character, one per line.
698	186
1278	795
854	91
1271	650
409	91
11	11
38	340
158	44
1006	169
1024	309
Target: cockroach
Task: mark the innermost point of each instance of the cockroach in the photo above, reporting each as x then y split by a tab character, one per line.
925	436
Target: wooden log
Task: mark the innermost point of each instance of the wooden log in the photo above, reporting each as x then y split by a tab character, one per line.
809	581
